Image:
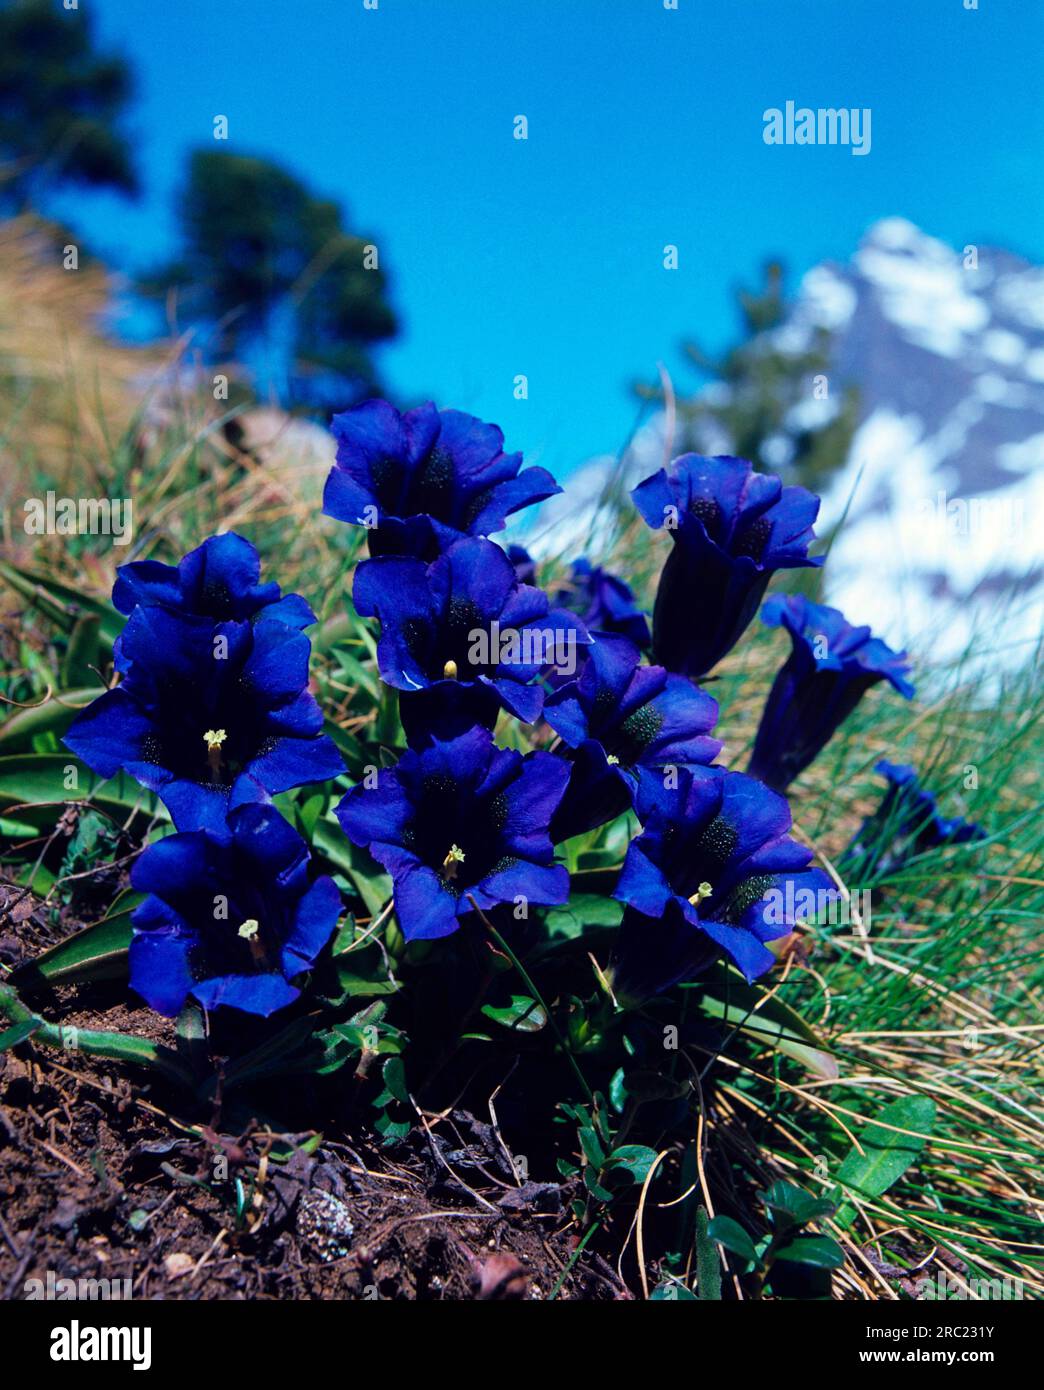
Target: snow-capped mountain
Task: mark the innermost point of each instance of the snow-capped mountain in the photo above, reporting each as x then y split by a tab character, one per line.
943	536
943	543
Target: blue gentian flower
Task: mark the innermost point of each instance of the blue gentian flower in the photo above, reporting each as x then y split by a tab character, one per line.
830	668
420	481
713	871
208	715
461	637
220	579
605	602
458	820
622	718
905	824
732	529
229	920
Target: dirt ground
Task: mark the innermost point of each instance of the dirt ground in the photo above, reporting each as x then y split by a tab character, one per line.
99	1181
104	1175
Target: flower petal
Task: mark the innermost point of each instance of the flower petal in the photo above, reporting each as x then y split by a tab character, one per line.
251	994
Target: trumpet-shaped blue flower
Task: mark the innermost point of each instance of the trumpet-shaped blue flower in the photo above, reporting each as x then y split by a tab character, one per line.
220	579
905	824
732	529
713	872
830	668
605	602
420	481
461	637
230	920
457	821
622	718
208	715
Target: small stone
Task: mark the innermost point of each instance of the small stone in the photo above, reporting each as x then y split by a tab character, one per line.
325	1224
178	1264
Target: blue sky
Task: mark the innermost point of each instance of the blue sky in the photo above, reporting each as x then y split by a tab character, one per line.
545	257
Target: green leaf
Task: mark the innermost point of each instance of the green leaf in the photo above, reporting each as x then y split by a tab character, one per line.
635	1159
61	603
592	1146
672	1293
97	952
394	1074
594	883
36	784
522	1015
887	1154
361	1027
332	630
733	1237
52	717
348	745
338	1046
584	912
389	1128
117	1047
92	846
354	671
17	830
83	653
122	1047
11	1037
309	813
708	1261
36	877
595	1187
271	1056
369	880
819	1251
725	995
791	1206
192	1037
618	1091
346	935
353	986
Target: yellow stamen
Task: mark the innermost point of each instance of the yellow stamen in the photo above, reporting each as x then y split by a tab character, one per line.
249	928
703	891
214	738
449	671
454	857
612	760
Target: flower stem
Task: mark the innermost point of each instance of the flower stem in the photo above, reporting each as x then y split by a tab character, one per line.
528	982
594	1226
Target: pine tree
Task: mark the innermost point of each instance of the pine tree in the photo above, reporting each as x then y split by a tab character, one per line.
283	284
61	105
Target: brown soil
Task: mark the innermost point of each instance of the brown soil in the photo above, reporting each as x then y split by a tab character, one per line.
104	1176
99	1180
